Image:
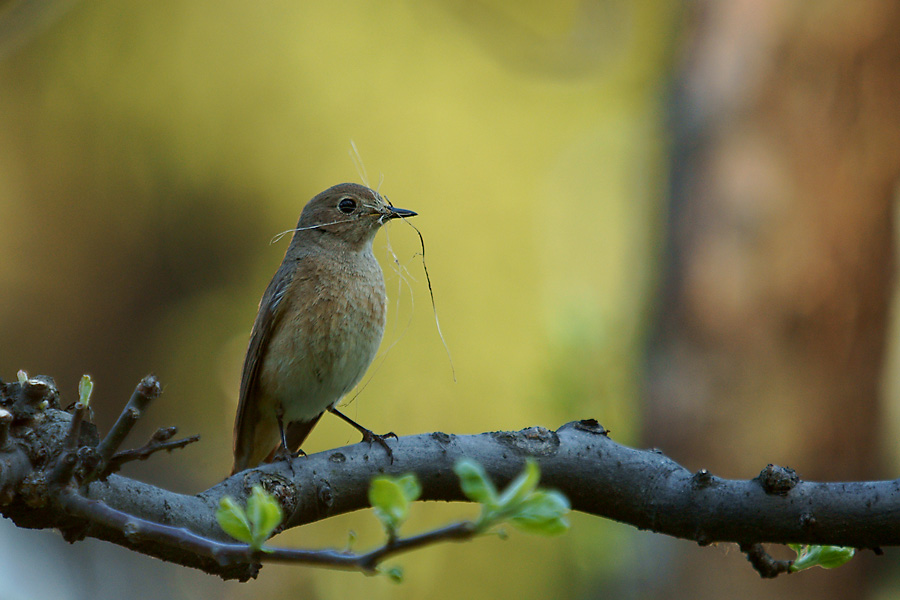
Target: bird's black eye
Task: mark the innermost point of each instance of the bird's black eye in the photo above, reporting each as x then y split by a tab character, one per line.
347	206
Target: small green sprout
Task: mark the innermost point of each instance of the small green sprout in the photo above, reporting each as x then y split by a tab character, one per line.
85	387
522	503
827	557
253	525
391	498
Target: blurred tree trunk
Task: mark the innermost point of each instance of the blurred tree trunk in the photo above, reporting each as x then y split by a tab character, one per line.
772	323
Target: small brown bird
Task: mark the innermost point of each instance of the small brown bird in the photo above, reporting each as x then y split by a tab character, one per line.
319	325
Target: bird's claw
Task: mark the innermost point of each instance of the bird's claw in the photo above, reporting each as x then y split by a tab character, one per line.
283	455
370	436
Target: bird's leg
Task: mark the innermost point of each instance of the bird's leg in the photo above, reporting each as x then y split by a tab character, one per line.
367	434
282	453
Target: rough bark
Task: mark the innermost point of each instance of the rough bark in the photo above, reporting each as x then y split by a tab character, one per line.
42	488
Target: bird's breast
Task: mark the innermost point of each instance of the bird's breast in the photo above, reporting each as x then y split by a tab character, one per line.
331	323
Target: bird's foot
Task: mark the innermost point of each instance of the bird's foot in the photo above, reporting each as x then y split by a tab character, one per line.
370	436
281	454
367	434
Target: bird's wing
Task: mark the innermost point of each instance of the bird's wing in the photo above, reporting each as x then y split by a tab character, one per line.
266	320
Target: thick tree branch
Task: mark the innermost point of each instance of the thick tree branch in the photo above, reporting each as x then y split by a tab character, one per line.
641	487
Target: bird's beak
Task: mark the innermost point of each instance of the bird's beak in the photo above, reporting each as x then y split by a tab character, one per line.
400	212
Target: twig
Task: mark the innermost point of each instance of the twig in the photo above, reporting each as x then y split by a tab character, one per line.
60	472
456	532
139	531
145	392
144	452
75	427
762	561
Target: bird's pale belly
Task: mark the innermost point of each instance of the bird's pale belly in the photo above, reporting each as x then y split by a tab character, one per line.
309	378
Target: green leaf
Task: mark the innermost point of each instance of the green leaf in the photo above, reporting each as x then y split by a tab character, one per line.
411	487
827	557
522	503
835	556
395	574
474	482
520	487
233	520
543	512
22	376
85	387
264	514
387	496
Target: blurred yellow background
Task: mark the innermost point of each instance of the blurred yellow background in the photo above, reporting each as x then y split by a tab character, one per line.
150	151
558	154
